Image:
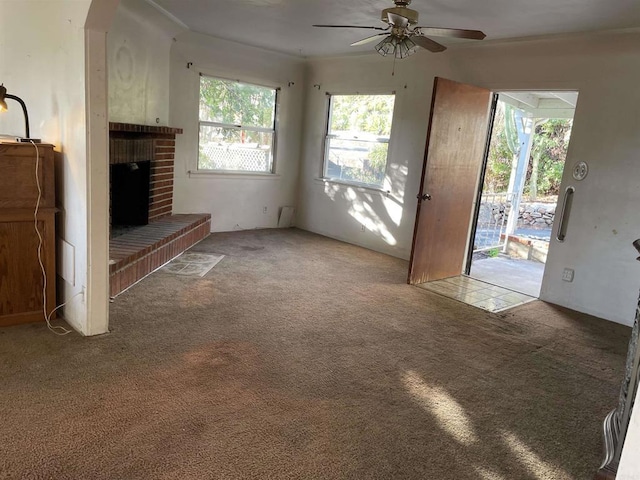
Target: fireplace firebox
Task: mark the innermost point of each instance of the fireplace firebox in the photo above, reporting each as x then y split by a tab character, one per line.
130	193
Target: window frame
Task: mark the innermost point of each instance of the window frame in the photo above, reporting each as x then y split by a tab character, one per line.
274	130
328	136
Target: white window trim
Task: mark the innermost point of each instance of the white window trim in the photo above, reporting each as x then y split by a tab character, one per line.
233	174
328	136
274	144
356	185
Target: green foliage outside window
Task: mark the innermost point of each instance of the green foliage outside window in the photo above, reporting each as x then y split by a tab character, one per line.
235	103
362	113
358	137
237	125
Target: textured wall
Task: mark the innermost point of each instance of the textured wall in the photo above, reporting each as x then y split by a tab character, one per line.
138	45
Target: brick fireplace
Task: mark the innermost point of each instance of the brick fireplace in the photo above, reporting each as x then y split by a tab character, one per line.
130	144
138	153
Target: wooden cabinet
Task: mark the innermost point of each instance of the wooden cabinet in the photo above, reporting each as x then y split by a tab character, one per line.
22	284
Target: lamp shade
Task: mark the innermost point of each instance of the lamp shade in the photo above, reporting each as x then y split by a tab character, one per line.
3	104
398	46
3	107
387	45
405	48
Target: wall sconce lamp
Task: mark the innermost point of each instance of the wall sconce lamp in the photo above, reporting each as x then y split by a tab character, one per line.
3	107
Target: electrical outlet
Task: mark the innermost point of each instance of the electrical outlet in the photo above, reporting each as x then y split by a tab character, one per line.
567	275
264	209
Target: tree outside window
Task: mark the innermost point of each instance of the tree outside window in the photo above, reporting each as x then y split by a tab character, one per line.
357	140
237	126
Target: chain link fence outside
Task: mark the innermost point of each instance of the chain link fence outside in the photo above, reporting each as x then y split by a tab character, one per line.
234	157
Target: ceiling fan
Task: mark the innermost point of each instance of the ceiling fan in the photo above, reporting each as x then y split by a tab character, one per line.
402	37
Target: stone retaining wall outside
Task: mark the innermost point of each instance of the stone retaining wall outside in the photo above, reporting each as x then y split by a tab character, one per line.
531	215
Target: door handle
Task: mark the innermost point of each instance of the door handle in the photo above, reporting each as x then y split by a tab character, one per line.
564	214
424	196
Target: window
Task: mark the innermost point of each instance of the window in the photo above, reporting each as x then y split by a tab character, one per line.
357	139
237	126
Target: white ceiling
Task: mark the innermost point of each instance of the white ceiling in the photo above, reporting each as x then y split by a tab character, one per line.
285	25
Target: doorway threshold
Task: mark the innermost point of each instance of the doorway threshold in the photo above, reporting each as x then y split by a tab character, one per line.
477	293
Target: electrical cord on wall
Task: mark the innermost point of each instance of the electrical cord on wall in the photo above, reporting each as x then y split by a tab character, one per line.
57	329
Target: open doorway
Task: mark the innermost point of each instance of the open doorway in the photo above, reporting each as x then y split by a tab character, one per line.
453	193
519	187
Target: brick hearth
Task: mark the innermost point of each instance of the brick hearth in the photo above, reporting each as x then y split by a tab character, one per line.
142	250
136	254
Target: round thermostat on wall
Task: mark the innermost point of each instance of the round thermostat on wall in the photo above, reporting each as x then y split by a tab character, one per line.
580	170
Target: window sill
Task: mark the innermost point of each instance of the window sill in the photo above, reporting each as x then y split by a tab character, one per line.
233	175
359	186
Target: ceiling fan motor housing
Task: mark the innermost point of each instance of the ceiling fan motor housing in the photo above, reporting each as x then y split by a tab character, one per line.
408	13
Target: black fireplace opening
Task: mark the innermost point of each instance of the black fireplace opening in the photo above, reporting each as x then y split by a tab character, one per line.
130	194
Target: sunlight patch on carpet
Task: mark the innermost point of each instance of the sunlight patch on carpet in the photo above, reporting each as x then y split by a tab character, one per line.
531	460
192	264
487	474
449	414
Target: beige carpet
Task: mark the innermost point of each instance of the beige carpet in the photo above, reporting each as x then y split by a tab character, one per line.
299	357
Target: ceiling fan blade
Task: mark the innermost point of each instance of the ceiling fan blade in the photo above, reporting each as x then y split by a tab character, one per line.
452	32
398	20
350	26
427	43
368	39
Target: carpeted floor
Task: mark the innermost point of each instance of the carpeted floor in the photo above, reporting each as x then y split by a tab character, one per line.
300	357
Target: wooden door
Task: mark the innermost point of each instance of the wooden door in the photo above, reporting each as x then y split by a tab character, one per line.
454	155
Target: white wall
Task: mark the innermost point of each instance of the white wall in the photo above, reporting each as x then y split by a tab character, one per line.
99	19
234	201
42	61
138	46
340	211
605	219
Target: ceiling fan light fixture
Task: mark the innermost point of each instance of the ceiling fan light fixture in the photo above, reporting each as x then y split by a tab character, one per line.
387	46
398	47
404	37
405	48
